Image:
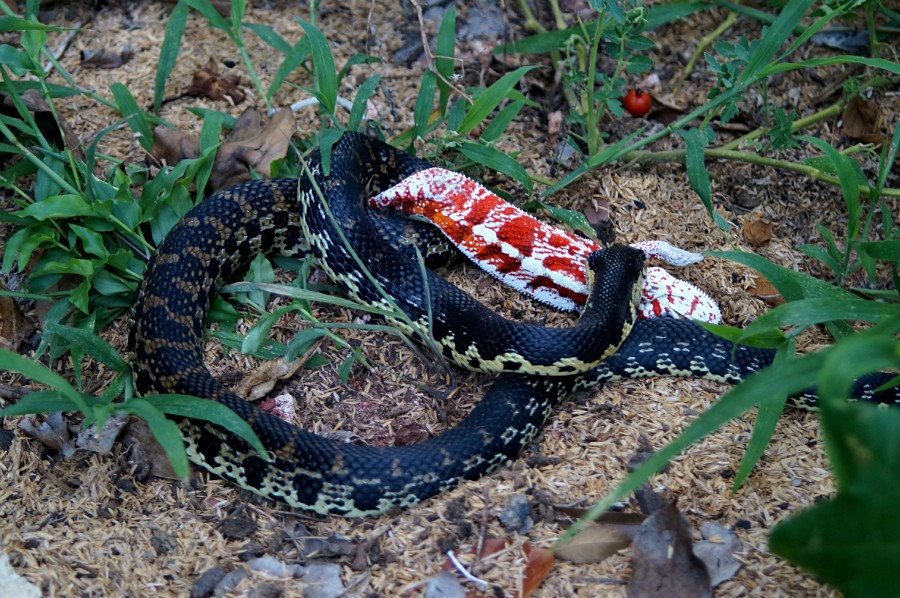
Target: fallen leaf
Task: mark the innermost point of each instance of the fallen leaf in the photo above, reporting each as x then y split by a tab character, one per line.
106	59
593	544
15	328
253	147
206	83
757	232
717	551
765	290
171	146
145	452
261	381
664	564
253	152
410	434
862	121
49	124
538	562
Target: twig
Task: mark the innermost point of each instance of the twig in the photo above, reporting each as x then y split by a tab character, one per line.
66	42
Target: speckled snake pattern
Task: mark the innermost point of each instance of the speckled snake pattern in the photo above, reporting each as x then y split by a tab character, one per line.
540	367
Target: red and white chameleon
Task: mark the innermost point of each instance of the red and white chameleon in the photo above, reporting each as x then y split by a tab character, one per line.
531	256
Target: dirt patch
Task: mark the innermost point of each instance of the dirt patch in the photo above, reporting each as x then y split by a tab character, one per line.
94	526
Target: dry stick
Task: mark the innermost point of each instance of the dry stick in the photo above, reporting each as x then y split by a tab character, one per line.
66	42
429	57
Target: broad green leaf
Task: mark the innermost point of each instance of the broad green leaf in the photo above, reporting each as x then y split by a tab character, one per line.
211	411
851	542
496	160
302	341
56	207
95	346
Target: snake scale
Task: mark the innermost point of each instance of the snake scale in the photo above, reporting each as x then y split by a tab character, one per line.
540	366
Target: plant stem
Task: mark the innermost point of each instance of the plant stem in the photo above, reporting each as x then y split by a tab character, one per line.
798	124
701	47
750	158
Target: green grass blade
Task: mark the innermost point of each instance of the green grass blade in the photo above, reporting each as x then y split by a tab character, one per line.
95	346
496	160
40	401
445	48
168	53
13	362
165	431
490	98
695	161
211	411
323	66
775	36
133	114
360	101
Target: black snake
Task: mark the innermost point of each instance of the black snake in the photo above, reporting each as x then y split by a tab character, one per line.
223	233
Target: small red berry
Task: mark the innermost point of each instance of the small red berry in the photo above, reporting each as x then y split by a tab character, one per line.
638	102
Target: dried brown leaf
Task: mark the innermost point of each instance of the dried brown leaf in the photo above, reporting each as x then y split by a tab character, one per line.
765	290
15	328
106	59
207	83
717	551
538	564
170	146
256	152
664	563
253	147
261	381
594	544
757	232
862	121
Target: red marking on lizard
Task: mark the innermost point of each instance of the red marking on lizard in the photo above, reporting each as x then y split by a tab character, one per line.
531	256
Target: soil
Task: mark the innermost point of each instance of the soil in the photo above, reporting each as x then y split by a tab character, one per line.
98	525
